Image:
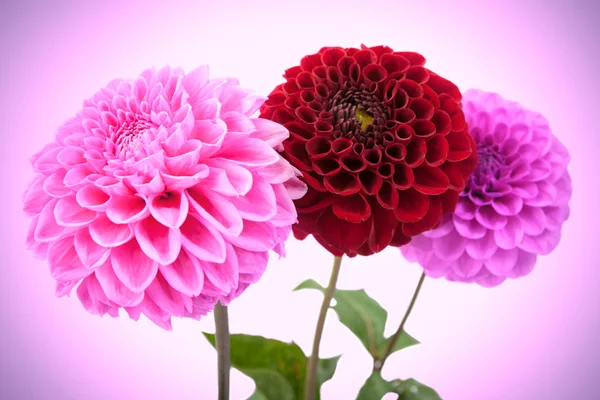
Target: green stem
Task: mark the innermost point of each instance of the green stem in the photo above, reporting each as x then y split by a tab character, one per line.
223	347
378	366
313	361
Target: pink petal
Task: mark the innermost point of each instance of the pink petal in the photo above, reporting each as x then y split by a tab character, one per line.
296	188
90	253
239	177
449	247
482	249
465	208
279	172
176	183
92	296
542	244
511	235
170	209
470	229
187	157
132	266
92	197
540	170
202	240
249	152
446	226
156	314
77	175
71	156
107	234
161	243
259	204
127	209
54	186
47	230
216	209
185	274
196	79
237	123
114	289
69	213
150	186
467	267
252	264
224	276
167	298
208	109
286	211
211	134
63	288
525	190
489	218
35	198
546	196
256	236
508	205
65	264
524	265
533	220
269	131
502	262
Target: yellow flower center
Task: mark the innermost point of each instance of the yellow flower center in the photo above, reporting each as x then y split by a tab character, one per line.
364	118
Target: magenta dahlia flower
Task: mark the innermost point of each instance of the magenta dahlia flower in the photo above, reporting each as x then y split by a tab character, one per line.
514	204
162	196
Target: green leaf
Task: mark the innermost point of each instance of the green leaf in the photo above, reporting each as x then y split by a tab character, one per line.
364	317
277	368
376	387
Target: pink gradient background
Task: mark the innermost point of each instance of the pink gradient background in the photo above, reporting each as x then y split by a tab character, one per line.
535	338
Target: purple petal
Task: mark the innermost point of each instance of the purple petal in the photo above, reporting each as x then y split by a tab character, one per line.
470	229
502	262
449	247
508	205
511	235
482	249
133	267
489	218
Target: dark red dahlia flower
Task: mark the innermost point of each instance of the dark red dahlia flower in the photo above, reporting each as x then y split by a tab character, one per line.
381	142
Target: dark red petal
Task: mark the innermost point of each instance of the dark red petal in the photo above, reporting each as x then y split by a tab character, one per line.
332	55
334	75
354	74
341	146
381	50
414	58
365	57
460	147
358	148
316	106
403	177
365	249
422	107
344	65
314	181
388	196
382	231
304	80
455	111
293	101
299	131
399	239
404	132
417	74
320	73
326	167
412	206
395	152
370	181
372	157
437	150
297	155
432	96
322	90
441	85
448	200
412	88
318	147
307	223
342	235
428	222
430	180
424	128
415	152
374	73
282	116
442	122
389	90
292	72
404	115
352	162
327	246
323	128
342	183
313	201
456	181
306	115
275	99
353	208
307	95
394	63
309	62
290	87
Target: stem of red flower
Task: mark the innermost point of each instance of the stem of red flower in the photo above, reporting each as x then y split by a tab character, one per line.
378	365
223	347
313	361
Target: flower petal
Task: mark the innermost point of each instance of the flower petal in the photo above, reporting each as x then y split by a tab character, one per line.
69	213
114	289
502	262
161	243
249	152
483	248
224	276
47	230
184	274
202	240
65	264
170	209
511	235
132	266
449	247
256	236
90	253
108	234
216	209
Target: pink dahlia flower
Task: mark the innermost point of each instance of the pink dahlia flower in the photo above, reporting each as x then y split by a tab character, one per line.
162	196
514	204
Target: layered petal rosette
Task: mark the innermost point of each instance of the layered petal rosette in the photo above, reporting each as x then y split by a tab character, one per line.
162	196
381	142
514	205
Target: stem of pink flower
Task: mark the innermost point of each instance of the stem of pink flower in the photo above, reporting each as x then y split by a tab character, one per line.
223	347
378	365
313	361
